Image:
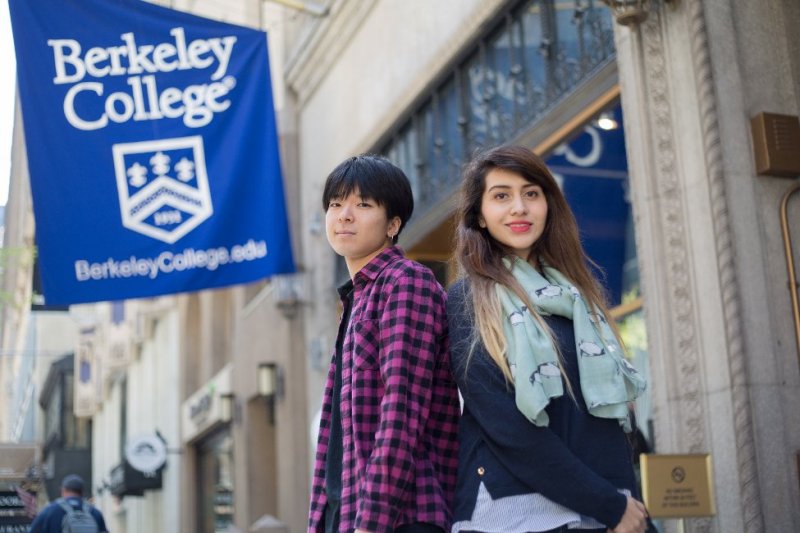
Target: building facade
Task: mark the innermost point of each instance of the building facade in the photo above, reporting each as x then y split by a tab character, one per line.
647	127
705	302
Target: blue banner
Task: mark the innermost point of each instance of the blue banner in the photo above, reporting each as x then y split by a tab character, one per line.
152	149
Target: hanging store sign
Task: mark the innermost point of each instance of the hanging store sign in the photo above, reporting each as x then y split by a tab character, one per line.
204	409
152	149
125	480
146	453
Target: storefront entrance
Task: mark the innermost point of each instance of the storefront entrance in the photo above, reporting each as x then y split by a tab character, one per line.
215	495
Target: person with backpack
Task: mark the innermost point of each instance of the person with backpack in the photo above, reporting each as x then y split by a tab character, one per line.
70	513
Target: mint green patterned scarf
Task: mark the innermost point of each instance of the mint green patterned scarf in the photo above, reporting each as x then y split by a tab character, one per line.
608	382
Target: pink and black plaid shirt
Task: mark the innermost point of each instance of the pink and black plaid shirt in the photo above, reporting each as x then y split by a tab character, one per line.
399	404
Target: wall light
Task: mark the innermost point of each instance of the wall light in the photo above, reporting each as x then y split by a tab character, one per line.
267	379
606	121
270	386
226	406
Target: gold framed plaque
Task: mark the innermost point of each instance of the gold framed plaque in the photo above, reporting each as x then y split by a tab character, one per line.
677	486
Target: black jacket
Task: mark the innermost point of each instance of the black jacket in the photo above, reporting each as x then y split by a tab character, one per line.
578	460
49	519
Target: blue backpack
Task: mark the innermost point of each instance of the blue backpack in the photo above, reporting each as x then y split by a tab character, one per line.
77	520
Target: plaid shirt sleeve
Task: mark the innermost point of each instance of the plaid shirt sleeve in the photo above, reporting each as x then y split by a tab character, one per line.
411	324
318	497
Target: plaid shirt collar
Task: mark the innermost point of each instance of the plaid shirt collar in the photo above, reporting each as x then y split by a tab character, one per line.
372	270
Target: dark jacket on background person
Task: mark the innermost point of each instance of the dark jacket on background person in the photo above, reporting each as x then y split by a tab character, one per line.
50	518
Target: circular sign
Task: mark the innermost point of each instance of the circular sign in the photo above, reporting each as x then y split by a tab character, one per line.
678	474
147	453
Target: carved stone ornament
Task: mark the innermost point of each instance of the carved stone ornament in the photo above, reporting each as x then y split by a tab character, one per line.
628	12
673	228
734	331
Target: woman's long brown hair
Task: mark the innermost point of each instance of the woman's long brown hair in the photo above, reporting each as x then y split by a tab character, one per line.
480	256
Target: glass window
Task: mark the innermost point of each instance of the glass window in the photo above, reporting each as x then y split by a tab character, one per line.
630	321
593	172
499	85
477	92
409	157
77	431
448	144
592	169
215	483
535	53
584	35
53	413
425	137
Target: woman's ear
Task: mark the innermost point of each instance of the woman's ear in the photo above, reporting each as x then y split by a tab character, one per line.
481	222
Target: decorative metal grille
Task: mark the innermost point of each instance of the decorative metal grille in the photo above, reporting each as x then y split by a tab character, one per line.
535	54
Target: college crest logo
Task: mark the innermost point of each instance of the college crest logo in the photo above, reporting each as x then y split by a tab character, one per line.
163	186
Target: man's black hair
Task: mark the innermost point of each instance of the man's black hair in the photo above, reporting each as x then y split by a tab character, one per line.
375	178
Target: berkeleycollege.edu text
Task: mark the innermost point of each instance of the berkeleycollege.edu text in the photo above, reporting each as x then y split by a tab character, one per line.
168	262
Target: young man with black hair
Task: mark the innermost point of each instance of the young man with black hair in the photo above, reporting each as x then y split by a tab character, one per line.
386	455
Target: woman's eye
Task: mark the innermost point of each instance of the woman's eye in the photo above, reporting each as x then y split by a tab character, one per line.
501	196
532	194
364	204
333	204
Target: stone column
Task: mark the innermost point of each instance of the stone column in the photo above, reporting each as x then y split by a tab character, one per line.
687	256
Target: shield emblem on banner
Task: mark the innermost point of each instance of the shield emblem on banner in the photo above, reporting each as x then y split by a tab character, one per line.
163	186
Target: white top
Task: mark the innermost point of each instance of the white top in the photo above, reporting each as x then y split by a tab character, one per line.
521	514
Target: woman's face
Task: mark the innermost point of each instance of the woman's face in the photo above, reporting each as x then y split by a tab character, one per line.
513	211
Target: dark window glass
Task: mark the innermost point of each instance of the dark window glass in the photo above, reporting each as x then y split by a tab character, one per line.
499	85
477	92
426	162
449	143
53	413
77	431
529	59
215	494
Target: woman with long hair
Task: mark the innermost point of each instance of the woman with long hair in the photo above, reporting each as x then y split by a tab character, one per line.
538	361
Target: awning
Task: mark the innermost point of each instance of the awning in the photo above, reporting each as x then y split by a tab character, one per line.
18	461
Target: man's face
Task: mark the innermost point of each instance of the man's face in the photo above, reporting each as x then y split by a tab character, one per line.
358	229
